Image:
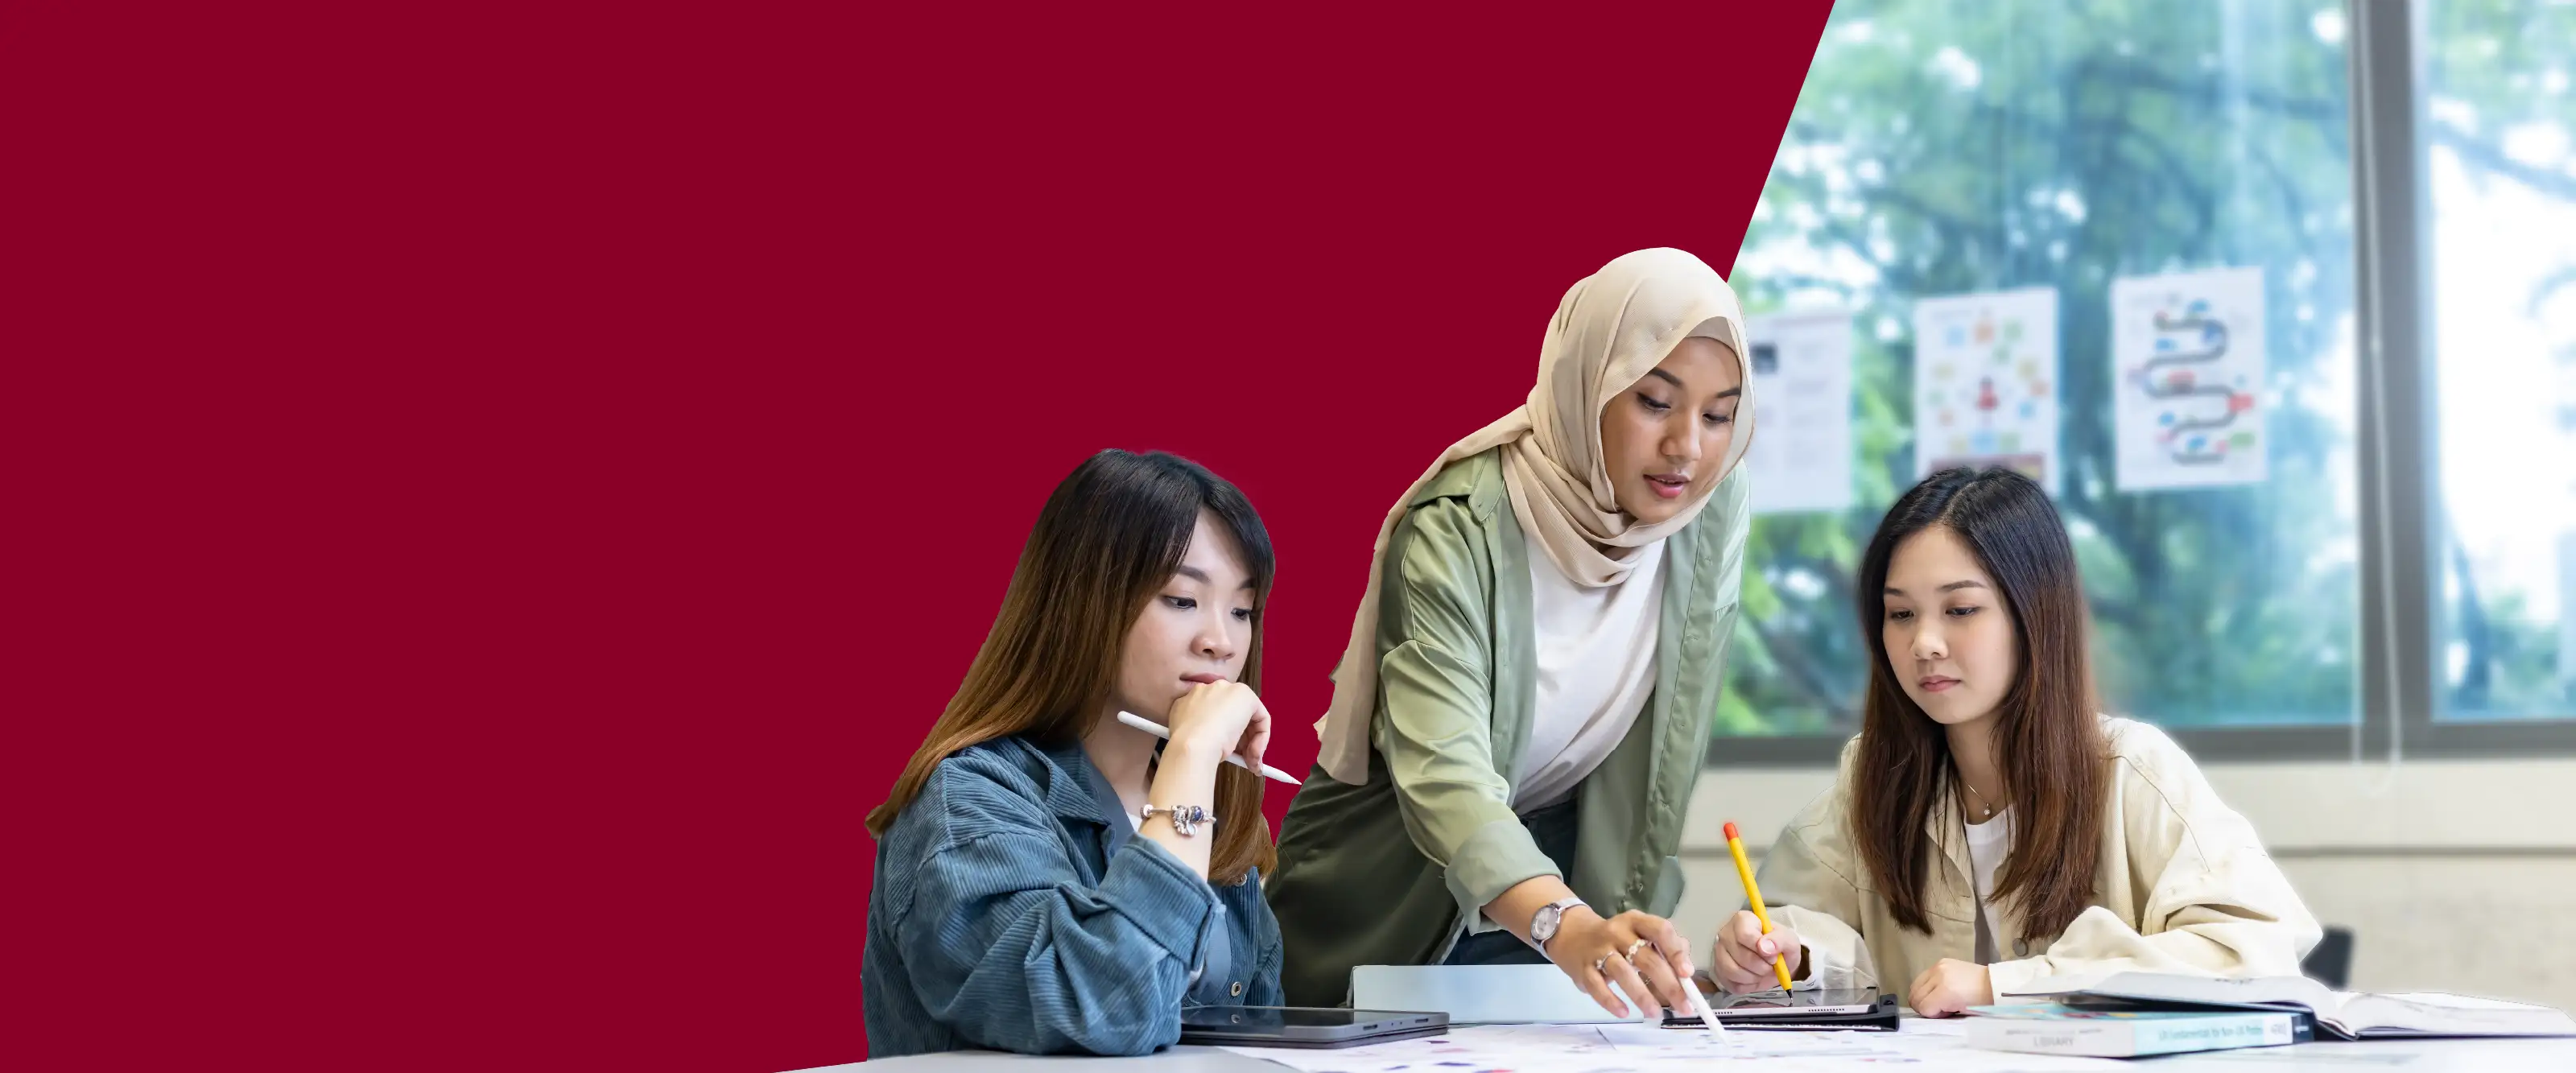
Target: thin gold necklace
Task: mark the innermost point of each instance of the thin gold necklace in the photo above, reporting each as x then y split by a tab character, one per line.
1984	811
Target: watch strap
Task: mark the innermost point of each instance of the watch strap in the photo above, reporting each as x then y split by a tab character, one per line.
1559	907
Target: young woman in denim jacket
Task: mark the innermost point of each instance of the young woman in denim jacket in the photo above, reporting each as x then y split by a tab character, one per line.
1048	879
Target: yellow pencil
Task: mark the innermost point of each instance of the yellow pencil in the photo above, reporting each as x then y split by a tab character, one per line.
1744	868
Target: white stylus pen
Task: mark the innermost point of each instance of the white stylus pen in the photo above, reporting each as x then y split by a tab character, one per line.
1156	729
1707	1016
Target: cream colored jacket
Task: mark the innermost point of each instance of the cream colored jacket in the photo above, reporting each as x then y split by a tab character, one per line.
2182	885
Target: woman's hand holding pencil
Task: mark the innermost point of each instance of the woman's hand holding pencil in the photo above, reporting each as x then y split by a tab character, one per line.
1744	953
1749	942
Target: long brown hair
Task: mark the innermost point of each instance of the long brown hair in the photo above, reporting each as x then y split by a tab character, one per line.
1110	536
2048	738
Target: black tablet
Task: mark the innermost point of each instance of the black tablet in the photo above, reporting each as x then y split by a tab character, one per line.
1303	1026
1860	1007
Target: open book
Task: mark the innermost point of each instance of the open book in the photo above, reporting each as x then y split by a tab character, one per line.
2340	1014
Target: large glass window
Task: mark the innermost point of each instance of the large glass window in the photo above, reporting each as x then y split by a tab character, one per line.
2000	197
2498	114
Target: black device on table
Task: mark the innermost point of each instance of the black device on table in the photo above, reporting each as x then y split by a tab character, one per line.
1304	1026
1835	1008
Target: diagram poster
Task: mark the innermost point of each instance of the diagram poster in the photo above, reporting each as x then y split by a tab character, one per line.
2186	374
1801	458
1985	383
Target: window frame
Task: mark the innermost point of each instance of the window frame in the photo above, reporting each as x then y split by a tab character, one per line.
2396	465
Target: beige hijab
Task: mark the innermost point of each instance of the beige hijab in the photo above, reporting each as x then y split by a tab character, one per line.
1611	328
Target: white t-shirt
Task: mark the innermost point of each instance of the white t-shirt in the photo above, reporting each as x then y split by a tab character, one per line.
1988	844
1596	667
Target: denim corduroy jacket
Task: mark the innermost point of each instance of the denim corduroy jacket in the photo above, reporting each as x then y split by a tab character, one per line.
1014	909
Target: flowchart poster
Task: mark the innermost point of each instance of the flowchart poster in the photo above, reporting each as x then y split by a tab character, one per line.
1801	458
2187	374
1985	383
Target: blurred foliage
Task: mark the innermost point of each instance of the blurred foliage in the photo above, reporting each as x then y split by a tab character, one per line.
1940	148
2492	67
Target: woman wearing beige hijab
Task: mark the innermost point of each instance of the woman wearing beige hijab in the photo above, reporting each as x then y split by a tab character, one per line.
1522	711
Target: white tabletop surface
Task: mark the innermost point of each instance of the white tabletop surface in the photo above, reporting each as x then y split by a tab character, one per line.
1934	1046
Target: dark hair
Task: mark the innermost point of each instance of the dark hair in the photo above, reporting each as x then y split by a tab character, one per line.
1108	539
2048	736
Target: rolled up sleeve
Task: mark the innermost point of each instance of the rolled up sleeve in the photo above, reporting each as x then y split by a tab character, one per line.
1435	716
1811	891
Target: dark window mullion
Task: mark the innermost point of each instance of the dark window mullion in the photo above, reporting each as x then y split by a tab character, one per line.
2392	309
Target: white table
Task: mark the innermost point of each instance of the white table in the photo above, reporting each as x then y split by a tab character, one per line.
2397	1056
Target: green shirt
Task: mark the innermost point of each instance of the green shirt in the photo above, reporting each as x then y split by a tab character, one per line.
1394	870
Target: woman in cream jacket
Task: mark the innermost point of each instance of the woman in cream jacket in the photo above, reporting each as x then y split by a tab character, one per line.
1987	827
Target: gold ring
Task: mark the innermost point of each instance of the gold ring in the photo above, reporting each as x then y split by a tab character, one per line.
1633	948
1601	964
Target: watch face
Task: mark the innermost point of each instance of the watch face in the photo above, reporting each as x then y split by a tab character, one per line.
1543	928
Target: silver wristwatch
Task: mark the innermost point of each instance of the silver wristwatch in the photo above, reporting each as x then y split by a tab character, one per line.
1543	924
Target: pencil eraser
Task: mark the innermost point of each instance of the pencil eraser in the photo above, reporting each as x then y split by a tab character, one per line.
1730	831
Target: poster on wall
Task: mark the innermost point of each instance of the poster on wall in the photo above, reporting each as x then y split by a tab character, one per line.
1985	383
2567	609
2186	376
1801	458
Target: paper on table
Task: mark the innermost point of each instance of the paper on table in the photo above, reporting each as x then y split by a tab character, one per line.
1644	1049
1934	1026
1522	1048
1928	1046
2312	1056
1646	1041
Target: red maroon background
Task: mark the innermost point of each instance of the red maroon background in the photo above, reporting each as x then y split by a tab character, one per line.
502	488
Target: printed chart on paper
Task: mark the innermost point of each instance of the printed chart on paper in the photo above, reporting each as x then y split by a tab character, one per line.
2187	379
1985	383
1801	458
